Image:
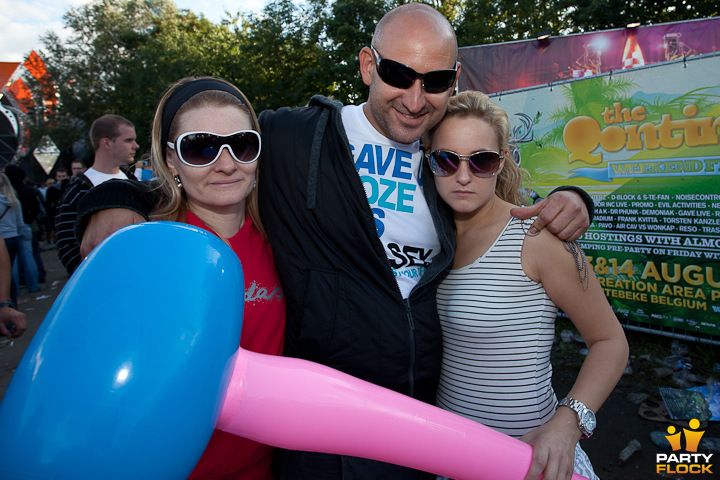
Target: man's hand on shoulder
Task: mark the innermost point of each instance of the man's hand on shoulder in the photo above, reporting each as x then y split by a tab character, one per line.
103	224
563	213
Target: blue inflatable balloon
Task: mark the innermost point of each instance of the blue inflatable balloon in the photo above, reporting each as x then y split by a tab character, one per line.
126	376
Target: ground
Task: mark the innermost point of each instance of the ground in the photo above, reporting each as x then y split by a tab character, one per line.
618	420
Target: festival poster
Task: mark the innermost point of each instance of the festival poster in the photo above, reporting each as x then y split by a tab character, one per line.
502	67
645	144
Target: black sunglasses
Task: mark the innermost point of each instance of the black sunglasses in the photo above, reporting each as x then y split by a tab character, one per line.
445	163
398	75
200	149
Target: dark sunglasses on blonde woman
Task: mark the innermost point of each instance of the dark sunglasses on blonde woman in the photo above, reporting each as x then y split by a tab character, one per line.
445	163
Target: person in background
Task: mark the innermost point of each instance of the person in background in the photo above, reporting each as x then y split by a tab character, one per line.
28	269
40	229
499	301
113	138
11	224
13	323
359	238
143	169
77	167
62	176
49	182
49	223
52	199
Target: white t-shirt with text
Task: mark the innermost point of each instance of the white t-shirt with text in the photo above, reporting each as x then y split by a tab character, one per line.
391	173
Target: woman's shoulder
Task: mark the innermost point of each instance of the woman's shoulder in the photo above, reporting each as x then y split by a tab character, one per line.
543	252
543	241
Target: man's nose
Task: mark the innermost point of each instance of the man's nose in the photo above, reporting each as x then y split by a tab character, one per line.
414	97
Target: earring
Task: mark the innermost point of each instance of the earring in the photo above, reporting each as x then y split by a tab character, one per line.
254	183
177	179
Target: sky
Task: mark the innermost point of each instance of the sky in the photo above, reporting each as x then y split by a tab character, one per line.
23	22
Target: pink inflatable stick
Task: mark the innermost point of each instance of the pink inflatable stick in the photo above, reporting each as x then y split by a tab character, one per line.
301	405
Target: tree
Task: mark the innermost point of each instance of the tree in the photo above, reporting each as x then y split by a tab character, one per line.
591	15
347	26
278	61
480	22
486	21
88	68
122	55
177	45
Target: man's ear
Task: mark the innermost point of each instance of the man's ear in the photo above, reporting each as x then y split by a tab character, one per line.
367	65
457	75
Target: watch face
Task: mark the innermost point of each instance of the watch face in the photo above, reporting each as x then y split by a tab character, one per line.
589	421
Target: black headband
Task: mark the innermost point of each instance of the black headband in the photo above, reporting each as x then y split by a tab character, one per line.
183	93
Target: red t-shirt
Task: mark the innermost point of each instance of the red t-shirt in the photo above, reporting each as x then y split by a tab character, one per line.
263	330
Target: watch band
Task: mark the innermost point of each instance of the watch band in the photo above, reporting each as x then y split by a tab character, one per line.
586	417
7	303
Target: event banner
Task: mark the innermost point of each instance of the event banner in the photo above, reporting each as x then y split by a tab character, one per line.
514	65
645	144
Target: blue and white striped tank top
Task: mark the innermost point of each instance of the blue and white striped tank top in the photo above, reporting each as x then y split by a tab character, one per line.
498	329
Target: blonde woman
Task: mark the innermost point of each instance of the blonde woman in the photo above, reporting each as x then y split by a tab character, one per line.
11	222
498	303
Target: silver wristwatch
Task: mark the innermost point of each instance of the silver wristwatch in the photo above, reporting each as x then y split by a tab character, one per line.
586	417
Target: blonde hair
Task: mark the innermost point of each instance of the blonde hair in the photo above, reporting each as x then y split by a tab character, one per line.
7	189
473	104
173	205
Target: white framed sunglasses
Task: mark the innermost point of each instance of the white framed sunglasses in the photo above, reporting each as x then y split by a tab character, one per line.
200	149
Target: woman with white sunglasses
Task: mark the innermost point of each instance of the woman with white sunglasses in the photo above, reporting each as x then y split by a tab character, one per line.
205	152
205	149
498	303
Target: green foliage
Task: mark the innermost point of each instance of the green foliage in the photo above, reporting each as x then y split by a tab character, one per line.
486	21
103	67
590	15
175	46
279	57
348	27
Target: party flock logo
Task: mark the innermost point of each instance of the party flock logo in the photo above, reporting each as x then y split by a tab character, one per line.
689	462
